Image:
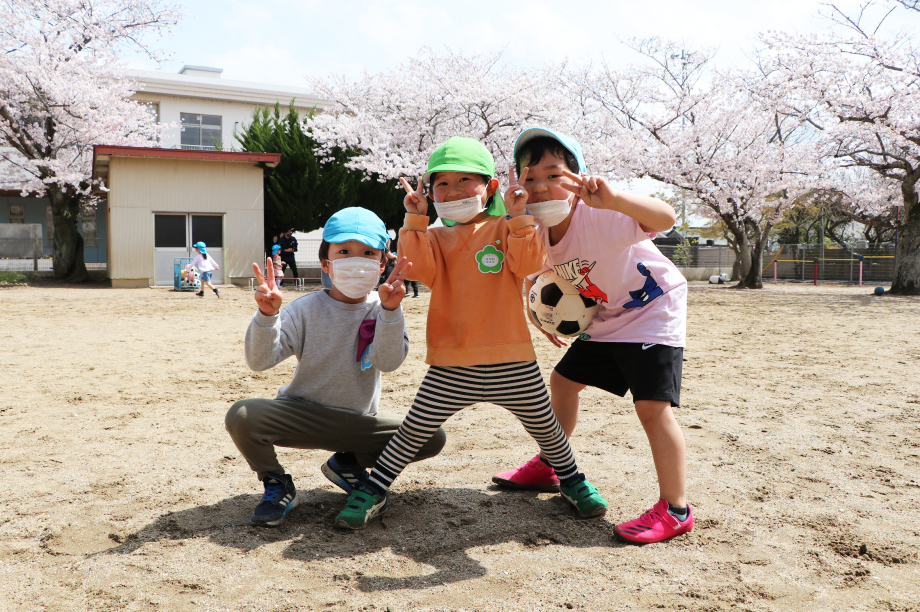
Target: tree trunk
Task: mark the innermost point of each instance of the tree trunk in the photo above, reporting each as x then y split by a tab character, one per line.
907	272
68	243
739	245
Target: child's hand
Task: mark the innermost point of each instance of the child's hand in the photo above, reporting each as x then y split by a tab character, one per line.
415	201
393	290
556	340
594	191
516	196
267	294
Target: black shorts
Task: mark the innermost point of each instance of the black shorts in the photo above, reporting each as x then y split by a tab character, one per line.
649	371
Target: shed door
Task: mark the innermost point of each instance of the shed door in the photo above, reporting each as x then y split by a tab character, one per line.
174	235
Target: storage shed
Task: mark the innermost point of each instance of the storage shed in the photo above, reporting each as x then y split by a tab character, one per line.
162	201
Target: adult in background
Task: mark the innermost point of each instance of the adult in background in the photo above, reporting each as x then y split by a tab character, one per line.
390	263
288	245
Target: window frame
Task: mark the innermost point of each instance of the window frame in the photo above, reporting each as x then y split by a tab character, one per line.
203	128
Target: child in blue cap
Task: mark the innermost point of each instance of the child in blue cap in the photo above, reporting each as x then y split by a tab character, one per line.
598	238
278	264
206	265
342	338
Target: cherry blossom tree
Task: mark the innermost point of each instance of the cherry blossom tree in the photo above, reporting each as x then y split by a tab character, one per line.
61	92
859	90
676	119
397	118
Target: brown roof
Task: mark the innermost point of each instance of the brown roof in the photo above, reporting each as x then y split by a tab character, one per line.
102	154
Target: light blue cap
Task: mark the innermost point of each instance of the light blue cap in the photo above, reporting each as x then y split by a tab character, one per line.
566	141
275	249
356	223
201	247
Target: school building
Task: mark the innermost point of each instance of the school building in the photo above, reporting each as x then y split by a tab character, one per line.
188	186
162	201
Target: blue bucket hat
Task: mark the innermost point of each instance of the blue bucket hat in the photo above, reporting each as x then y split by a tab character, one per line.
566	141
356	223
275	249
201	247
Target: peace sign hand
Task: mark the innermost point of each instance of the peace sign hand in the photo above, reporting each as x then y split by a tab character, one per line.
594	191
267	294
516	196
415	201
393	290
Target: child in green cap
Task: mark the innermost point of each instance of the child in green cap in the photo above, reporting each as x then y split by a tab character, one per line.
479	346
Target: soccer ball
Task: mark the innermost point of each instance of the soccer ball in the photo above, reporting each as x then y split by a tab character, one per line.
558	308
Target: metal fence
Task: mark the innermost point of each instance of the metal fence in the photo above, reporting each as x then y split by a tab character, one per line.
810	262
27	255
797	262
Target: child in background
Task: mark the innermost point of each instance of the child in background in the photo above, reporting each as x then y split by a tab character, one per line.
479	347
206	265
343	339
278	265
598	238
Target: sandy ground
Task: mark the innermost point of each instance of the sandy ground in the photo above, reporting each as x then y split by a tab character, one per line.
124	492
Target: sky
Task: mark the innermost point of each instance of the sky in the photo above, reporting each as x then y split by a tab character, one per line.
285	42
288	42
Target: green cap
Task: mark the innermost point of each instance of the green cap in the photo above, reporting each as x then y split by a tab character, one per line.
460	154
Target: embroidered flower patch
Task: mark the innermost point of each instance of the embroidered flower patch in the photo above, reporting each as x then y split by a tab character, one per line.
490	260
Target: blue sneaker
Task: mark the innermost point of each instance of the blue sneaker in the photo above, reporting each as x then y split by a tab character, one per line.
343	475
280	498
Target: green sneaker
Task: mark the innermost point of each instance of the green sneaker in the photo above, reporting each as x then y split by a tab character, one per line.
583	496
363	504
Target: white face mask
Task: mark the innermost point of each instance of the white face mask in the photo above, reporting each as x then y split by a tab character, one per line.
463	210
355	277
550	212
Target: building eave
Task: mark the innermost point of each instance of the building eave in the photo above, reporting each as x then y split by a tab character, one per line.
205	88
102	154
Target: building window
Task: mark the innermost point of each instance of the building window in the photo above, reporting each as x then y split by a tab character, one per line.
17	213
153	109
202	132
88	224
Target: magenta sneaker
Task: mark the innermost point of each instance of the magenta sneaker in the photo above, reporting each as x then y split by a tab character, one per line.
656	525
532	476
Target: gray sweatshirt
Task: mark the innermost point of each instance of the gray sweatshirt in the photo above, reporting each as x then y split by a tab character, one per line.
323	334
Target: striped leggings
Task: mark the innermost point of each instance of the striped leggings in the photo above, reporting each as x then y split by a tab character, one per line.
516	386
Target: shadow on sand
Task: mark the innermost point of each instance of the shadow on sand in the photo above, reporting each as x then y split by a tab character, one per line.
434	526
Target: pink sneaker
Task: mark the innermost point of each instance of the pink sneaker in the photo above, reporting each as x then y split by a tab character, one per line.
656	525
532	476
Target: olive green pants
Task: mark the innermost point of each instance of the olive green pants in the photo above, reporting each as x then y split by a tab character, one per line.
257	426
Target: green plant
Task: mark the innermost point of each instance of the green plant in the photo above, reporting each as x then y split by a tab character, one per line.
12	277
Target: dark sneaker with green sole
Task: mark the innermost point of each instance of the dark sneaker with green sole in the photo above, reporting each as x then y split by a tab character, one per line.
583	496
364	504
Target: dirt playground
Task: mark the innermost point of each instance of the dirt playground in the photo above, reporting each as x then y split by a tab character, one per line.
123	491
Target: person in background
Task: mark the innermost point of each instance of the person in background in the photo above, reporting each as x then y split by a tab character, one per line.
288	245
278	265
390	263
206	265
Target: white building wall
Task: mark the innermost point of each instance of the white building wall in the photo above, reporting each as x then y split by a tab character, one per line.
234	115
139	187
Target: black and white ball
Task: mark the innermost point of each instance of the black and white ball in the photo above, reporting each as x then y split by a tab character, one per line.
558	308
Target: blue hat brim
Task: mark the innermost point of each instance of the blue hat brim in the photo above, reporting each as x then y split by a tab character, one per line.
374	243
566	141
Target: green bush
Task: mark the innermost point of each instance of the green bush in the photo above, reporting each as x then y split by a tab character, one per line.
13	277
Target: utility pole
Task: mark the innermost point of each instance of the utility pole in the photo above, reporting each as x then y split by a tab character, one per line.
684	58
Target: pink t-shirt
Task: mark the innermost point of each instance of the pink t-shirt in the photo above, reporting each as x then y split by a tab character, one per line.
607	256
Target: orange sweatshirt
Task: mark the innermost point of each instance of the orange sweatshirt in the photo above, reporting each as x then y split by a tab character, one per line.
476	274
